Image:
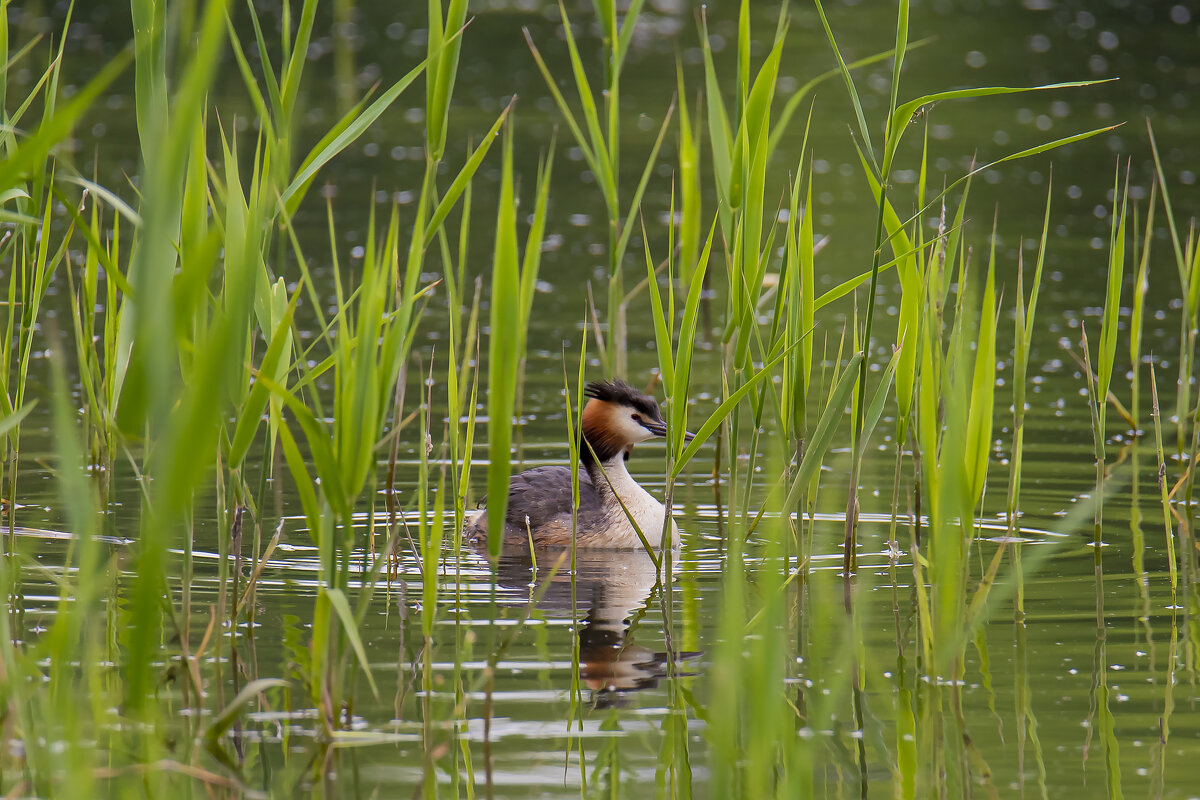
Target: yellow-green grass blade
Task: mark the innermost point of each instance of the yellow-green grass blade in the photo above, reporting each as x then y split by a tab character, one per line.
1160	176
327	150
341	607
720	136
462	180
897	62
1026	153
910	295
899	119
687	343
875	407
12	419
606	11
983	389
808	285
95	246
823	431
1036	286
444	49
585	145
110	198
636	201
845	287
264	111
320	447
689	181
855	101
722	411
628	24
662	331
1163	491
289	86
252	410
50	132
780	128
1107	351
532	259
503	355
268	69
591	117
752	136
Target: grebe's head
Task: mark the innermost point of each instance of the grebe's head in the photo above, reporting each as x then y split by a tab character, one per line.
617	417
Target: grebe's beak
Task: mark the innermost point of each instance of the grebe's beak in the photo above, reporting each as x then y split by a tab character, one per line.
660	429
657	427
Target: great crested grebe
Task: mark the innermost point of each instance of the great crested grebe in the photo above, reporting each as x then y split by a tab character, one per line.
539	500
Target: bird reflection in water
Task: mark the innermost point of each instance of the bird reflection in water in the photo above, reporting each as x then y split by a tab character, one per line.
611	587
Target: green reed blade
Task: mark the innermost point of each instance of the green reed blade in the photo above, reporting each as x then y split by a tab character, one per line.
591	117
875	408
855	101
905	259
1022	341
898	121
325	151
585	145
443	54
268	69
228	715
532	259
662	333
1160	177
1163	491
687	343
1036	286
1030	151
897	63
45	80
462	181
690	200
12	419
847	286
256	403
636	201
720	136
303	482
52	130
111	199
743	53
264	111
981	416
780	128
753	129
341	607
822	435
289	85
606	11
726	408
503	355
1106	353
626	36
808	286
320	446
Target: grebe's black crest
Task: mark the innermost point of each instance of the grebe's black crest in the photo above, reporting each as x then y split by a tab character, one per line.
617	391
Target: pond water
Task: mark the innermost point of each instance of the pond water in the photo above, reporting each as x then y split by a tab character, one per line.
531	728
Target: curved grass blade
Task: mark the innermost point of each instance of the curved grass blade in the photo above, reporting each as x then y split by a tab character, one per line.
342	608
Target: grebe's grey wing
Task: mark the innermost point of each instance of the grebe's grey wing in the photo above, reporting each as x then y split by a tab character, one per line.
540	494
538	498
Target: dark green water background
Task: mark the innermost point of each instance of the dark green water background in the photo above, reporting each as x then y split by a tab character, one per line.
1153	48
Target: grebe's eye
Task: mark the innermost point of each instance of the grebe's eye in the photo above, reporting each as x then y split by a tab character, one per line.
636	418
